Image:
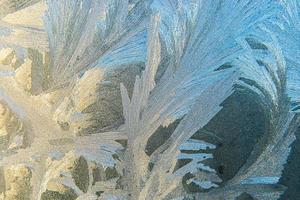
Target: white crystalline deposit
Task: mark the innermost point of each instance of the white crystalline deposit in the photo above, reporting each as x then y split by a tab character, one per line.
112	99
6	55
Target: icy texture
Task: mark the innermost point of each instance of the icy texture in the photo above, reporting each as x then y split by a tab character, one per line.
90	30
110	99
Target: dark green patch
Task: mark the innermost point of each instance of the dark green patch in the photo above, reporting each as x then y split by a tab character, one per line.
54	195
80	174
160	136
245	196
111	173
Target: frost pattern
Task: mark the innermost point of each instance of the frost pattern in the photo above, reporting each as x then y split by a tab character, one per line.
91	87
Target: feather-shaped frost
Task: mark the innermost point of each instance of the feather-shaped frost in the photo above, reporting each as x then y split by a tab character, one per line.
186	57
